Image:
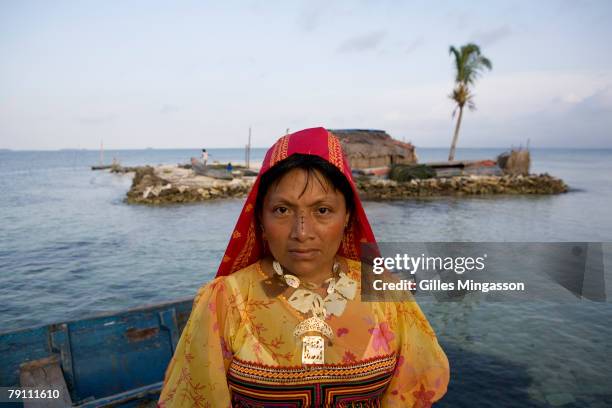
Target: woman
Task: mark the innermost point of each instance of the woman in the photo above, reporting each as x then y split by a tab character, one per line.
283	323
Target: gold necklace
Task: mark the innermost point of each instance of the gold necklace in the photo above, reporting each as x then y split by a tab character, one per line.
311	331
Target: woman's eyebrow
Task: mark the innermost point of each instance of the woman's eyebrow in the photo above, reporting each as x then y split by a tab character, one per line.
288	201
322	201
281	200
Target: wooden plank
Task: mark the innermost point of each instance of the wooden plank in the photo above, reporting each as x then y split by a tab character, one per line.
60	342
454	163
44	374
167	321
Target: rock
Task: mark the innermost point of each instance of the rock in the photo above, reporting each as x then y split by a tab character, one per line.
460	185
168	184
174	184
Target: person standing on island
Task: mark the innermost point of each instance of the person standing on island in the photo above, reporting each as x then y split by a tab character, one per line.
204	157
230	167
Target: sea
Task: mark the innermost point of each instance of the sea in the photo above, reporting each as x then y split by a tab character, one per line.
70	247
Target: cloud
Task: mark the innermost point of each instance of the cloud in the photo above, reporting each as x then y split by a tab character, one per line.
552	109
562	122
309	17
599	103
364	42
459	19
490	37
96	120
168	109
414	44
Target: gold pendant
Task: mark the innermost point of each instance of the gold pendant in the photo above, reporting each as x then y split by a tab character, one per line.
315	325
313	350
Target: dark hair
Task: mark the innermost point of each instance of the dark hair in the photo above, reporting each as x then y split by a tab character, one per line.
311	164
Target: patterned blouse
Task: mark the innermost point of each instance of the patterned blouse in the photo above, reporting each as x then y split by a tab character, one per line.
238	350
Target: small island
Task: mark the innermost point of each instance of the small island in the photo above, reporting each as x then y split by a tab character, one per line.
383	169
168	184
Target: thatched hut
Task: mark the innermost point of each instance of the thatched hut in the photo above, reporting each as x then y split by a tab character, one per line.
367	148
515	162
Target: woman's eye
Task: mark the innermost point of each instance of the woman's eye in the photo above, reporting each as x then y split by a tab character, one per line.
281	210
323	210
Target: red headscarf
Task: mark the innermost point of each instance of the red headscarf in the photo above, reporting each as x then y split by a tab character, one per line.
245	246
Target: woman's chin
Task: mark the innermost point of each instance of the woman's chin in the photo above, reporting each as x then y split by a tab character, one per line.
303	267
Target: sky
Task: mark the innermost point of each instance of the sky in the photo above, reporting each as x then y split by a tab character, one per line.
190	74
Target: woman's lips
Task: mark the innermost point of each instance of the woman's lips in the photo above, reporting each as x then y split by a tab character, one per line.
303	254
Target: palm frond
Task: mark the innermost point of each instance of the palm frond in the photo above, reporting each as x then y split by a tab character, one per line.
458	65
470	103
455	112
484	61
469	63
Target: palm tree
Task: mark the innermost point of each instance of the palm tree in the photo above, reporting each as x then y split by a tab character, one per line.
469	64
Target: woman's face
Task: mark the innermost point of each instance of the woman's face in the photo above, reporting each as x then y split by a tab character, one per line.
304	226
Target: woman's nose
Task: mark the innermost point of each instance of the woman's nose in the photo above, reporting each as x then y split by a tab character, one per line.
302	227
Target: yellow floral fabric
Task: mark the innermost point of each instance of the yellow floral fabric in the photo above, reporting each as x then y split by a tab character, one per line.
233	319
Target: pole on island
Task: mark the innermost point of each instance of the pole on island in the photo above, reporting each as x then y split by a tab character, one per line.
248	150
101	153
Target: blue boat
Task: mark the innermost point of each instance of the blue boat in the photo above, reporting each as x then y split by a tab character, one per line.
116	359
